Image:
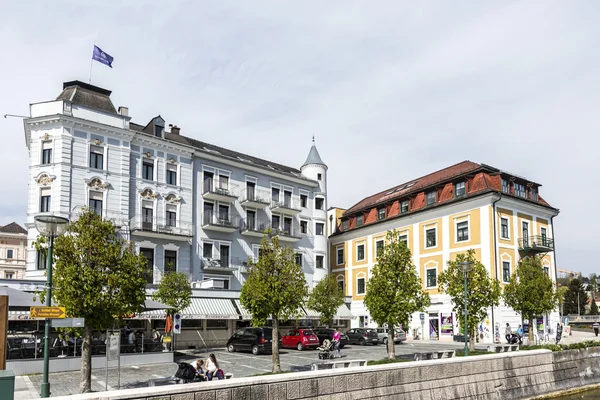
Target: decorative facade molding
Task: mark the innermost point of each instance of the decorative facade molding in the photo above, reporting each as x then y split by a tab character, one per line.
97	142
173	198
148	194
44	179
46	137
148	154
97	184
172	160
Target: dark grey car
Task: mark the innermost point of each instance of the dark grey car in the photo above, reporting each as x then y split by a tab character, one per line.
362	336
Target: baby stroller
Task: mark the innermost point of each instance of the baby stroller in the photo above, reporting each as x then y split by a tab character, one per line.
185	373
326	350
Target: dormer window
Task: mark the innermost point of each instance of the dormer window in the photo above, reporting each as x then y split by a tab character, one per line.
520	190
359	220
431	197
504	185
158	130
345	225
459	189
534	194
381	213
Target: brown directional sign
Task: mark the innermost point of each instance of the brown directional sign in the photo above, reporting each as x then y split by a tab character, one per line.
47	312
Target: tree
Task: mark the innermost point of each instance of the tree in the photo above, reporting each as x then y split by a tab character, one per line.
325	298
96	276
575	298
530	291
275	288
560	294
174	290
593	285
593	308
394	291
482	291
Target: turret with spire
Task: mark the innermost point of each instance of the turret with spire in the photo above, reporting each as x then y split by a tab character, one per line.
314	168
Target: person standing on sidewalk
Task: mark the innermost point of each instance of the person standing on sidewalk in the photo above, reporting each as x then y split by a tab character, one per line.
596	326
337	336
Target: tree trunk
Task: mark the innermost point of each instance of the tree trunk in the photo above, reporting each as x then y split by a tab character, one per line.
472	333
275	345
531	327
85	385
391	347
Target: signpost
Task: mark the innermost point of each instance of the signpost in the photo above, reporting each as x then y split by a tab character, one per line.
47	312
422	316
113	350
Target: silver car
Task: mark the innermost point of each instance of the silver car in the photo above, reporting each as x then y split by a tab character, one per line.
399	335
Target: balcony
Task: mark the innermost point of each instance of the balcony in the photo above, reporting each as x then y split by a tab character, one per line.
218	191
255	199
221	266
535	245
220	222
251	227
287	234
287	206
154	227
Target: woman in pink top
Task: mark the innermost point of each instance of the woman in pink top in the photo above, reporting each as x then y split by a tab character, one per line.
336	342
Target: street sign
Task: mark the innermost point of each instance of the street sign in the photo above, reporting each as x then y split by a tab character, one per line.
177	324
422	317
47	312
113	345
68	323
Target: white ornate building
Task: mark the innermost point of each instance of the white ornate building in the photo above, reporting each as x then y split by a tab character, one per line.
188	205
13	251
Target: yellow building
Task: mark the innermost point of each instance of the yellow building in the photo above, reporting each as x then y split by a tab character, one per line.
466	206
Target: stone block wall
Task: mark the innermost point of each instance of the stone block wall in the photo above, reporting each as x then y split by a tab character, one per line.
515	375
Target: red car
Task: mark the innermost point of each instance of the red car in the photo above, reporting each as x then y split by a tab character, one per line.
300	339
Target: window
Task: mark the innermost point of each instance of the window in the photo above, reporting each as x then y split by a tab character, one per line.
224	252
298	259
360	286
319	201
319	177
504	185
171	215
345	225
534	194
340	256
320	261
378	248
9	275
544	235
46	153
224	182
431	198
170	261
462	231
96	157
287	198
303	200
520	190
219	323
95	202
504	228
359	220
381	213
360	252
546	271
41	260
525	231
158	131
45	200
207	250
275	194
432	277
505	271
223	214
148	170
9	253
171	174
459	189
340	283
430	238
404	239
304	227
275	220
149	256
319	228
147	216
404	206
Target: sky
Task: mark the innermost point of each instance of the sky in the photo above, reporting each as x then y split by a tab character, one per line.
391	90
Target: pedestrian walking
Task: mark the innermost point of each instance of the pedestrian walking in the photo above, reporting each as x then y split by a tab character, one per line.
337	336
596	326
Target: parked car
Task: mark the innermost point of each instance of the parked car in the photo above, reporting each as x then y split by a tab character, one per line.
300	339
399	335
327	333
362	336
256	340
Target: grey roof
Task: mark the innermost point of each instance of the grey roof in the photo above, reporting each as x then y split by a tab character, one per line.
313	157
13	227
226	153
87	95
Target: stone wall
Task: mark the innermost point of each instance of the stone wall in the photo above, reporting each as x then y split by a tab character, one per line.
515	375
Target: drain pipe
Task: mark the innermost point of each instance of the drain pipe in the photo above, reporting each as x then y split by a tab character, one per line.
561	316
495	262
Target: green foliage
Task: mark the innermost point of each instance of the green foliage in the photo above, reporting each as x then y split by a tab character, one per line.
482	291
560	295
276	288
461	353
174	290
594	308
387	361
326	297
394	291
557	347
96	276
575	295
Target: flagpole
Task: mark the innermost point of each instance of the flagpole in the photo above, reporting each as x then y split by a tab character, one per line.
92	64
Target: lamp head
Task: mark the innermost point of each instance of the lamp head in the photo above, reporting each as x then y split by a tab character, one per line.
51	225
465	266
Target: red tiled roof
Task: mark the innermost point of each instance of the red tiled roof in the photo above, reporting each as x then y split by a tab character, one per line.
417	185
13	227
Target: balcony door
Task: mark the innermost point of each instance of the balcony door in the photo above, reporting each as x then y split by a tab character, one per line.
275	222
224	214
287	198
251	220
208	181
250	191
525	229
209	210
224	259
287	225
147	217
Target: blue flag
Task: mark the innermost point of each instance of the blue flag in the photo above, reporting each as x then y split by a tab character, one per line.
102	57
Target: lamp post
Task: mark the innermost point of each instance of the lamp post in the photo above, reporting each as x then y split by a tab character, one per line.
465	267
51	227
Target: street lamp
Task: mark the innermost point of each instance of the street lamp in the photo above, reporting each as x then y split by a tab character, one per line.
51	227
465	267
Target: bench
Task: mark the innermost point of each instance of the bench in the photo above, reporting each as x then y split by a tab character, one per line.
434	355
502	348
338	364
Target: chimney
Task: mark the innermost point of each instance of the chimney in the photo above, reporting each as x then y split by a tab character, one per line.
124	111
175	130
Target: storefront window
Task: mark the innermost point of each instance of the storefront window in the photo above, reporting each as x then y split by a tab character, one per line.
192	323
216	323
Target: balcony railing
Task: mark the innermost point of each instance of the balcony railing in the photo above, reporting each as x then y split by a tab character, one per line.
286	204
210	218
225	264
218	188
167	226
539	244
257	198
253	225
286	233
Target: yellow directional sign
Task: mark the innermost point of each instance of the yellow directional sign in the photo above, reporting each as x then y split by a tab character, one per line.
47	312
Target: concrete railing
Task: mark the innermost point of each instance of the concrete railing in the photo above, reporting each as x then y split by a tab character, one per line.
512	375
